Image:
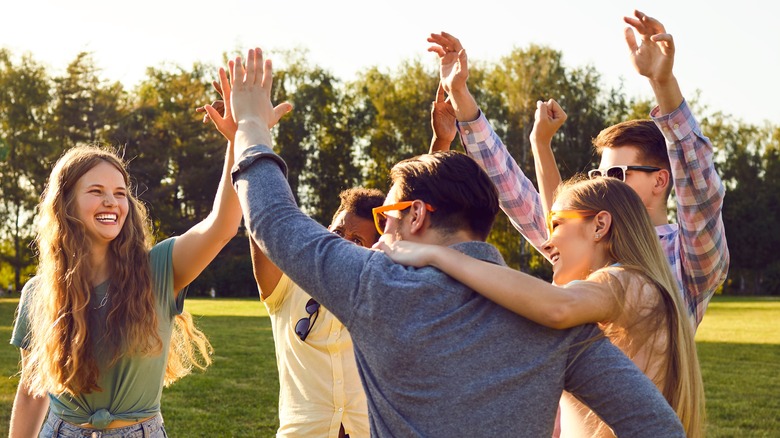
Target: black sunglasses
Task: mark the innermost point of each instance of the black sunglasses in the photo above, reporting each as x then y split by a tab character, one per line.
304	325
619	172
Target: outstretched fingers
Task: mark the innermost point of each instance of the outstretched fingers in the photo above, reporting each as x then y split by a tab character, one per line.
645	24
237	72
251	67
444	43
268	74
279	112
463	58
651	24
224	91
631	40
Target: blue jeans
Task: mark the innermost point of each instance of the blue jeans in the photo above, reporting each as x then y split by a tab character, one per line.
55	427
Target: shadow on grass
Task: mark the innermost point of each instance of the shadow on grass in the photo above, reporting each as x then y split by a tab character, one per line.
741	383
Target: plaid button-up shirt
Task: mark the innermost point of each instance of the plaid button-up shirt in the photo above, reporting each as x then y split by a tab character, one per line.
695	247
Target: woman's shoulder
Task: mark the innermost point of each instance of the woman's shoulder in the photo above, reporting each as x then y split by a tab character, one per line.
640	292
162	248
29	288
32	283
624	274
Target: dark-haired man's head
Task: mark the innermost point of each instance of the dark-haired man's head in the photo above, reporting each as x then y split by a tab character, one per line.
639	145
353	219
452	199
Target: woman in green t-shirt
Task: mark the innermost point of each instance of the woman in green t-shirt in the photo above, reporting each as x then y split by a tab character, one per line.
101	327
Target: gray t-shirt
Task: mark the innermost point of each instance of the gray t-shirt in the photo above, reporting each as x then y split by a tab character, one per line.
132	387
436	358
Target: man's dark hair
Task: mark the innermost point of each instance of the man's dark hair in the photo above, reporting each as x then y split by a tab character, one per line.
643	134
359	201
454	184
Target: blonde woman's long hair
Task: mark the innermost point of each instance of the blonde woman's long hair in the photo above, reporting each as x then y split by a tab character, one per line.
60	354
632	242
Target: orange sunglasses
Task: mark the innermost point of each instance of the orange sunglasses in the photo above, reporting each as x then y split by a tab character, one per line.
380	218
566	214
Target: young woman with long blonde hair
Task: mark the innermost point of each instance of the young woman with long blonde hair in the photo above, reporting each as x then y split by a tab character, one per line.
101	327
608	267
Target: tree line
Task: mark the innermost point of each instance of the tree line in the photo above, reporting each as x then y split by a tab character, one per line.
341	134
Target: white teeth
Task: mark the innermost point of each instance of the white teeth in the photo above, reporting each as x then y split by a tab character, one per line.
106	218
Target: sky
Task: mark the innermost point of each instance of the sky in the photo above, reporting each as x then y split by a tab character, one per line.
728	52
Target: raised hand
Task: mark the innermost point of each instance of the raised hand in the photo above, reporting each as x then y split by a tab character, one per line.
251	101
654	58
222	119
454	75
443	122
454	62
219	111
548	118
218	105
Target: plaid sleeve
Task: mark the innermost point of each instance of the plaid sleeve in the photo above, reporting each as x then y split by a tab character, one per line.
517	195
703	257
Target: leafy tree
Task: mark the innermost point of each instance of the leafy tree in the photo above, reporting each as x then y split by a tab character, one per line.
315	139
391	110
24	103
85	106
341	135
175	159
748	158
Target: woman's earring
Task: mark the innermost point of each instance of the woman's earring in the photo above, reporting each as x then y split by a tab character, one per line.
598	236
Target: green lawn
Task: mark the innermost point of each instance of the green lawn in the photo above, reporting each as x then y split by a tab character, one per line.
739	349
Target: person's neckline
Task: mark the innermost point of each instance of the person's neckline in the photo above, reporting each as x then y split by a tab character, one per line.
102	286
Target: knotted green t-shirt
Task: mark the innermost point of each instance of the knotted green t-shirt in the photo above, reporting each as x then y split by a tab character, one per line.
132	387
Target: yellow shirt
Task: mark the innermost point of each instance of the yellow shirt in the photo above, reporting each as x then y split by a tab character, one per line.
319	385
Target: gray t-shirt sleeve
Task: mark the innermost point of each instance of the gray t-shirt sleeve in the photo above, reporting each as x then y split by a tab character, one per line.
326	266
606	380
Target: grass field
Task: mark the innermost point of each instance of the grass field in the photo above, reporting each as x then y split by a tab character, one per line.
738	342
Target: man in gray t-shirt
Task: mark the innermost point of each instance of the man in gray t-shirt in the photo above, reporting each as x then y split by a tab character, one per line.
435	358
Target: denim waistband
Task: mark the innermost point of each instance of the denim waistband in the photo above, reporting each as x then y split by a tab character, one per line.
56	427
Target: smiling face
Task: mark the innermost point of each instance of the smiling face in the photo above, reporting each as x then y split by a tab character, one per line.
571	247
101	202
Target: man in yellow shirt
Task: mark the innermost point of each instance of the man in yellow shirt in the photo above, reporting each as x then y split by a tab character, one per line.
320	393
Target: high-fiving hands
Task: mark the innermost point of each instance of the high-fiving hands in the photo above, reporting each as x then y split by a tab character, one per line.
221	112
246	114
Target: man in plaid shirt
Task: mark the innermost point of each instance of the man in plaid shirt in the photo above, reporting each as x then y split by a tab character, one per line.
650	156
